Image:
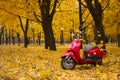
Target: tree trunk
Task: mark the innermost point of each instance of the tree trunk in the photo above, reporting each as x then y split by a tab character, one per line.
100	36
46	35
96	12
52	39
25	30
3	33
18	36
49	36
118	40
13	38
9	37
0	37
118	34
6	36
39	38
26	42
47	13
80	13
33	36
61	37
70	36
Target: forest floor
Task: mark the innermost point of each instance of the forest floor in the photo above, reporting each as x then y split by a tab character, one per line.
36	63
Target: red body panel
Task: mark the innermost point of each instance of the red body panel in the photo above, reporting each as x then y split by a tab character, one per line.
95	51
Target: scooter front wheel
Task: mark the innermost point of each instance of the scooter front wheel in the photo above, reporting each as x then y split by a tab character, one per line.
68	63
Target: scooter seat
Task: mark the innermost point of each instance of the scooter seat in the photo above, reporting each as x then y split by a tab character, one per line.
88	47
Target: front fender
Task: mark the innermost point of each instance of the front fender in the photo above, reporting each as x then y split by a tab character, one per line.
71	54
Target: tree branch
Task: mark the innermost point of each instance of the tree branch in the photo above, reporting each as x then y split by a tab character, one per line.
21	24
84	5
90	23
54	8
83	10
27	24
16	14
91	9
86	17
36	16
106	5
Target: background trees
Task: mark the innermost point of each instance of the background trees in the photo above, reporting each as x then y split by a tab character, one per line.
45	17
111	21
37	22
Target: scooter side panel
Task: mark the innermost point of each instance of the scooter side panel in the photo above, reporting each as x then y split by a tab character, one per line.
96	51
102	54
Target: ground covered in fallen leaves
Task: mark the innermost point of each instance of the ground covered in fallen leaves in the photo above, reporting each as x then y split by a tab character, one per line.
36	63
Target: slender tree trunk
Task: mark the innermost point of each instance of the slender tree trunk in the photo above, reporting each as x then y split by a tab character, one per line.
25	34
61	37
9	37
118	34
18	36
0	37
25	30
6	36
33	36
1	34
80	14
70	35
3	37
118	40
25	40
39	37
13	38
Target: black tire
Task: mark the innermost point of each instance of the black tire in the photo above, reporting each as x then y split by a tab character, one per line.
99	61
68	63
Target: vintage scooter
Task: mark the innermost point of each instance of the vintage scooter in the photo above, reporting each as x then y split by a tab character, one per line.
92	55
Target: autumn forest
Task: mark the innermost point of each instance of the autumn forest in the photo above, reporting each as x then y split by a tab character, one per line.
35	33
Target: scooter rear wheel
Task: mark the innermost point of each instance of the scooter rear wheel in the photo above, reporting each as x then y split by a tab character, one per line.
68	63
99	61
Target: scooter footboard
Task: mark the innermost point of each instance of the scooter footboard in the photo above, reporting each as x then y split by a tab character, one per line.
71	54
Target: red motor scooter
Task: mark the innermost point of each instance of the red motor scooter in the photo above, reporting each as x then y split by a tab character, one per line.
92	55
